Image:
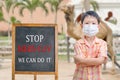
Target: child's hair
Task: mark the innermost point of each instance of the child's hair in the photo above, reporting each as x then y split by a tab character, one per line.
90	13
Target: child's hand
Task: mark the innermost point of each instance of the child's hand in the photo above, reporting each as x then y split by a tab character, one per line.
77	59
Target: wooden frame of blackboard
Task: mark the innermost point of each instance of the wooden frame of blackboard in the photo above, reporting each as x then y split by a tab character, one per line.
35	73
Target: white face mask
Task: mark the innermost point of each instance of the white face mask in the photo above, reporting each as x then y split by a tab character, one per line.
90	29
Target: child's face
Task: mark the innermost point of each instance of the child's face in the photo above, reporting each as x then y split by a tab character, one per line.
90	26
90	20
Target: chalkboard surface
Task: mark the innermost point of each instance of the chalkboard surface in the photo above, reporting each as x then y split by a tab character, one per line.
35	48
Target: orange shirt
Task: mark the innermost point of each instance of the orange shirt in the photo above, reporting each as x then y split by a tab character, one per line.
97	49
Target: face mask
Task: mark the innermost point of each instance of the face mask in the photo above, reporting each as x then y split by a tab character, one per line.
90	30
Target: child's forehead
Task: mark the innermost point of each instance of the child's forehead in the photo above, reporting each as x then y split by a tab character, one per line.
89	17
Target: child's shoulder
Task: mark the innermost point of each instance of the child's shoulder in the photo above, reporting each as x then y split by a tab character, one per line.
79	41
101	40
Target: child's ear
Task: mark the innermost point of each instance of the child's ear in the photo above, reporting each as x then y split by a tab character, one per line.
81	25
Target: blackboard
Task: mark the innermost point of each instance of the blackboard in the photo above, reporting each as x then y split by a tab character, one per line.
35	48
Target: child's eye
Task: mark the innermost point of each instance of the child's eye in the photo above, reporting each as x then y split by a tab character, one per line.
86	23
93	23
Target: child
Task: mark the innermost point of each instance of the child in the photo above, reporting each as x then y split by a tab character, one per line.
90	51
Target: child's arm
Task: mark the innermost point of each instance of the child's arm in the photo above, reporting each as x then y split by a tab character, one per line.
102	57
89	61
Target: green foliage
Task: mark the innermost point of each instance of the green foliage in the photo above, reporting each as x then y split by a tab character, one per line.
31	5
8	4
42	5
1	16
14	20
62	57
95	5
54	4
3	38
61	37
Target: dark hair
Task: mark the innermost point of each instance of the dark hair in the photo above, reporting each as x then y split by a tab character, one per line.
90	13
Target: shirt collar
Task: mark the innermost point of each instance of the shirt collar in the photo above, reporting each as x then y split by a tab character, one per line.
96	41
